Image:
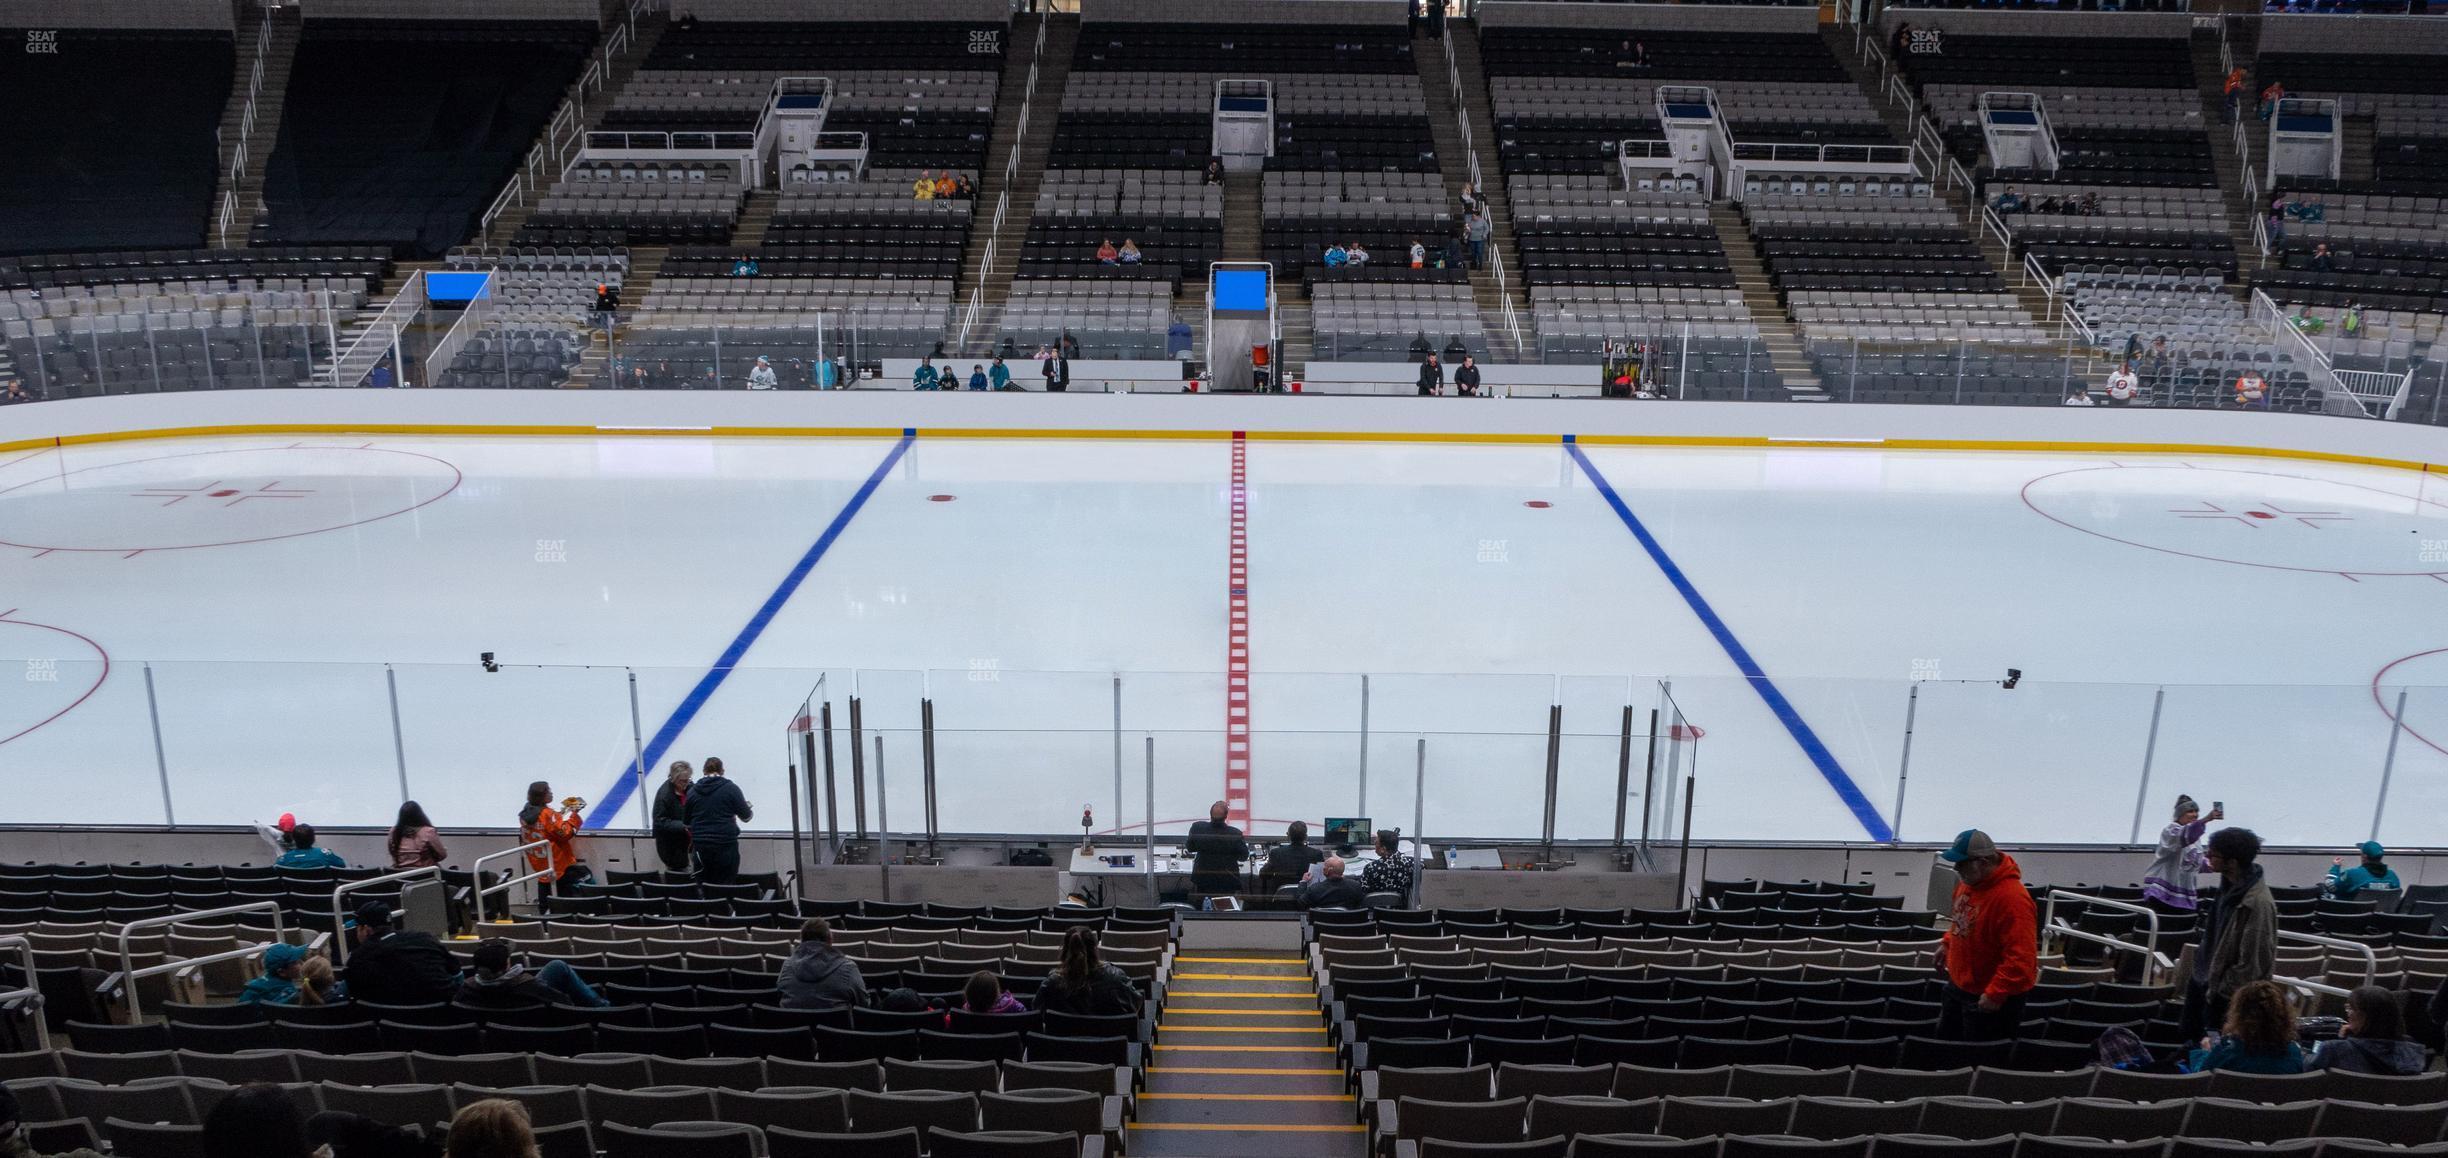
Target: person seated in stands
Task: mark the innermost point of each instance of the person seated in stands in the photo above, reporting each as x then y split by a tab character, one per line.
2350	321
817	975
1393	869
282	967
317	985
2123	384
490	1128
13	1143
258	1120
998	375
1336	256
2009	201
925	376
2050	204
977	376
2251	392
1215	170
2348	883
985	994
392	966
1635	55
1356	254
2156	359
1130	252
2259	1037
923	188
303	854
2270	97
1333	890
746	266
500	980
2322	261
2374	1041
1083	983
947	186
1107	254
761	376
2090	205
1419	254
14	390
2080	396
1290	861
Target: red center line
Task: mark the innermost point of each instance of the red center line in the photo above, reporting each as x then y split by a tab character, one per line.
1236	645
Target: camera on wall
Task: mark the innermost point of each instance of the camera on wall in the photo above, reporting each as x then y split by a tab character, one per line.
2014	675
486	660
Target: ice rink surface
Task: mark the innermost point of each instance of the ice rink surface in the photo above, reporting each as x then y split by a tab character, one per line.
221	629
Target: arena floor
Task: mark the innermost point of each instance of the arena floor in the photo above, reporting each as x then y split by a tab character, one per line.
275	625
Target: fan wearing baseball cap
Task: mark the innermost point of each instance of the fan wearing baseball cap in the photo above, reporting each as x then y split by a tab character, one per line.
2346	883
1991	953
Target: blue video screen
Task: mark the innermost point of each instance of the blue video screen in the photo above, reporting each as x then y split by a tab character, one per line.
1241	290
458	287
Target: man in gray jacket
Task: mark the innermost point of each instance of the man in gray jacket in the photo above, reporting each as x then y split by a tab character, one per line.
817	976
2239	933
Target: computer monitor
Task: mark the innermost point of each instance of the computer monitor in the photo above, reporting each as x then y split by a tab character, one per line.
1349	830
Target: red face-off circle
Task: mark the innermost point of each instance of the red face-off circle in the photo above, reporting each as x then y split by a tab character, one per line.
2250	518
218	498
62	669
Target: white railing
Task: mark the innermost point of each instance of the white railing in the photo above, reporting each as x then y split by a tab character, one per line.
1957	176
2336	398
508	883
1470	155
1011	172
129	974
246	128
1994	226
340	911
478	314
31	993
2152	958
2371	963
564	135
350	366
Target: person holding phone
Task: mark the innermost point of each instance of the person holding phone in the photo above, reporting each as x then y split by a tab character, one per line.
2172	881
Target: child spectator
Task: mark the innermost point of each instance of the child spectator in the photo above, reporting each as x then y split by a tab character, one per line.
977	377
303	854
998	376
279	983
985	994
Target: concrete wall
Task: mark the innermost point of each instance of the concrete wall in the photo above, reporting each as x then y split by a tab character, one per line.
44	14
2391	35
952	11
1994	22
1692	17
1246	11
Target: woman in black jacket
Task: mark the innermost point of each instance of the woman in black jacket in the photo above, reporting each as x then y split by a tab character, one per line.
671	818
1084	984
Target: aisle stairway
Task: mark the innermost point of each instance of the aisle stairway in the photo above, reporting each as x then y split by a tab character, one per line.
1242	1065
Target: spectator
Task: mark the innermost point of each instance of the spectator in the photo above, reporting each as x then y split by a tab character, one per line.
1177	339
1082	983
1107	254
2080	396
2238	942
925	376
316	985
1334	890
1455	253
670	817
966	188
2270	97
761	375
1419	254
1356	253
1466	377
13	1143
501	981
380	379
1393	870
1901	42
714	811
924	187
1991	953
2050	204
746	266
2122	383
1045	365
303	854
1336	255
998	375
2171	880
2348	883
1290	861
1058	370
1215	170
828	374
413	842
538	821
1431	376
1130	252
255	1121
2350	322
490	1128
1635	54
1470	199
1216	850
392	966
817	976
2322	260
14	390
2251	392
2157	357
2259	1037
2090	205
977	376
2231	93
2435	1019
2009	201
2374	1041
947	186
1479	229
282	964
985	994
1068	345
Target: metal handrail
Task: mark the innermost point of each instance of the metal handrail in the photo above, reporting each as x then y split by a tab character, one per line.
481	888
2151	954
2371	958
340	912
32	990
130	974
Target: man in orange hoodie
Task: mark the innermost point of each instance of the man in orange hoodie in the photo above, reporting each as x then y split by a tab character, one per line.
1991	951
